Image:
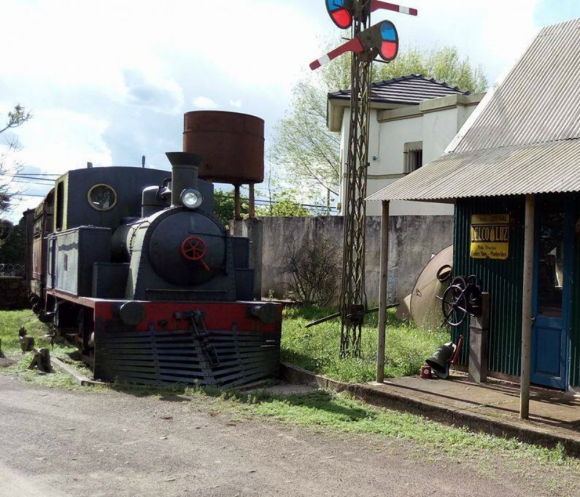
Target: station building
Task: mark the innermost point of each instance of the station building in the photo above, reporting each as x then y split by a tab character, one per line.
512	176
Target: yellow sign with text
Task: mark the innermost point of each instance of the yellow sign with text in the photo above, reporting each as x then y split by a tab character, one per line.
490	236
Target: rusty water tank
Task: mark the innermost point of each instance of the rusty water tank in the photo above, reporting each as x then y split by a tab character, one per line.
232	145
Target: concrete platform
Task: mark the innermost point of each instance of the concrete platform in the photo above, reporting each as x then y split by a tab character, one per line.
492	407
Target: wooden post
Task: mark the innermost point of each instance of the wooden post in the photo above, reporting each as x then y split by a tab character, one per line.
237	207
252	213
383	291
528	278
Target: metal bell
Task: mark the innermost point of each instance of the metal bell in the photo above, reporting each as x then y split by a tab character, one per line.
440	359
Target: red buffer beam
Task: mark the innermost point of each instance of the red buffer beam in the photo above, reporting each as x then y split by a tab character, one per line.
376	5
353	45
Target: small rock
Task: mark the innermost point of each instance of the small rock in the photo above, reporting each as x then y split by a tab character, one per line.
163	438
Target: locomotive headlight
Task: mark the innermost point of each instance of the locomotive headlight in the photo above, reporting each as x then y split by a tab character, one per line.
191	198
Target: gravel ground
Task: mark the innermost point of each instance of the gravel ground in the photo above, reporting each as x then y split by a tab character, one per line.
58	443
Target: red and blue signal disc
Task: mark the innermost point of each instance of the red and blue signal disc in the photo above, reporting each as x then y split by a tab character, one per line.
340	12
389	41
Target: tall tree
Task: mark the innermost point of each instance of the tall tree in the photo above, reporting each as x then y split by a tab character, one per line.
16	117
303	143
12	242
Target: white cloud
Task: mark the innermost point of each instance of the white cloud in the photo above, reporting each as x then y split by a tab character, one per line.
204	103
158	94
236	103
57	140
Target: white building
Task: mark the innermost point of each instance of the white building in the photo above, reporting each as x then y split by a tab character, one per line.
413	119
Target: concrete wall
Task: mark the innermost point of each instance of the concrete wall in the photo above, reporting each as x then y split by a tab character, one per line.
13	293
413	240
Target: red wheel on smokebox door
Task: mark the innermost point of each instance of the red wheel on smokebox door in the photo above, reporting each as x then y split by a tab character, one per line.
194	249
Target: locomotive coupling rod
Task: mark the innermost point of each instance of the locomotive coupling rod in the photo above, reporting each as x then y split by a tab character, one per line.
337	314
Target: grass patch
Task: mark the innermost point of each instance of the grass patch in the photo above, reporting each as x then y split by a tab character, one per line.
10	323
317	349
328	411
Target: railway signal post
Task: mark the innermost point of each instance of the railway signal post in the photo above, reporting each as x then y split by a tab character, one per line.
366	43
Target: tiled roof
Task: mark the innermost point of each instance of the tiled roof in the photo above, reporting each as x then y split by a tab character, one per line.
409	90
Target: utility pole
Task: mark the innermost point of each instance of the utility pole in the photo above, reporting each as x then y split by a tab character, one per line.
366	44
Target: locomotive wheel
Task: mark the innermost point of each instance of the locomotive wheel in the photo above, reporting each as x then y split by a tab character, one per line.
454	305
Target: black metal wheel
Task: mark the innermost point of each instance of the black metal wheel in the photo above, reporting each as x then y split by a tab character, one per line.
454	305
459	281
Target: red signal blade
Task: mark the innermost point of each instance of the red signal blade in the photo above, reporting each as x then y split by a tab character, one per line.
353	45
377	4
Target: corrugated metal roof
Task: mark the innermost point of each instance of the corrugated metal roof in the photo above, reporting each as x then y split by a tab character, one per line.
521	169
409	90
539	100
523	140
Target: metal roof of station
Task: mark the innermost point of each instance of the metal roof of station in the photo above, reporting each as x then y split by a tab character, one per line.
523	138
521	169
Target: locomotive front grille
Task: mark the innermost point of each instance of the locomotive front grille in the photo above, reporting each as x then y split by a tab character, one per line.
166	357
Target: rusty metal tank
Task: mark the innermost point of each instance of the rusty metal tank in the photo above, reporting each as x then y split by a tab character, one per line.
434	279
232	145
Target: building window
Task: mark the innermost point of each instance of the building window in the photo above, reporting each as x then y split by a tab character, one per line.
413	156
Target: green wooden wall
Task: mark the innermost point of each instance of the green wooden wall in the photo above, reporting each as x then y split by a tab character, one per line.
575	321
503	280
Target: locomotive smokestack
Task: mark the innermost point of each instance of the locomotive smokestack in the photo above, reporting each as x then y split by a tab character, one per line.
185	167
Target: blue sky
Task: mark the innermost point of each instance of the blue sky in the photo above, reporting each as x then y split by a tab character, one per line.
108	81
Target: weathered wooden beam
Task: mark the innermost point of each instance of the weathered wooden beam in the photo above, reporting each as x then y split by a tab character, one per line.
528	279
384	269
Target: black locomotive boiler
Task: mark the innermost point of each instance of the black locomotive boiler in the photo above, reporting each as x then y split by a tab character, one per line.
132	266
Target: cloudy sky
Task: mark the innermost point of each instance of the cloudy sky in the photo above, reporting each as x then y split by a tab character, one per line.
108	81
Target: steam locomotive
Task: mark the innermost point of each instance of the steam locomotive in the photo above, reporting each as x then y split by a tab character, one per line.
133	267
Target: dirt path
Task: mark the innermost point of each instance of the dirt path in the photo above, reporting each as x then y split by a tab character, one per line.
56	443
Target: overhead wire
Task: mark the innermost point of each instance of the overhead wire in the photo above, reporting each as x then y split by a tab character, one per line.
33	180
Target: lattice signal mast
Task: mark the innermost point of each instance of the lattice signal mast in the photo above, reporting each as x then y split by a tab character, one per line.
366	44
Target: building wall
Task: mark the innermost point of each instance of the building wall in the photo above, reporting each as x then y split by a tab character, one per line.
433	122
412	244
575	319
503	280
